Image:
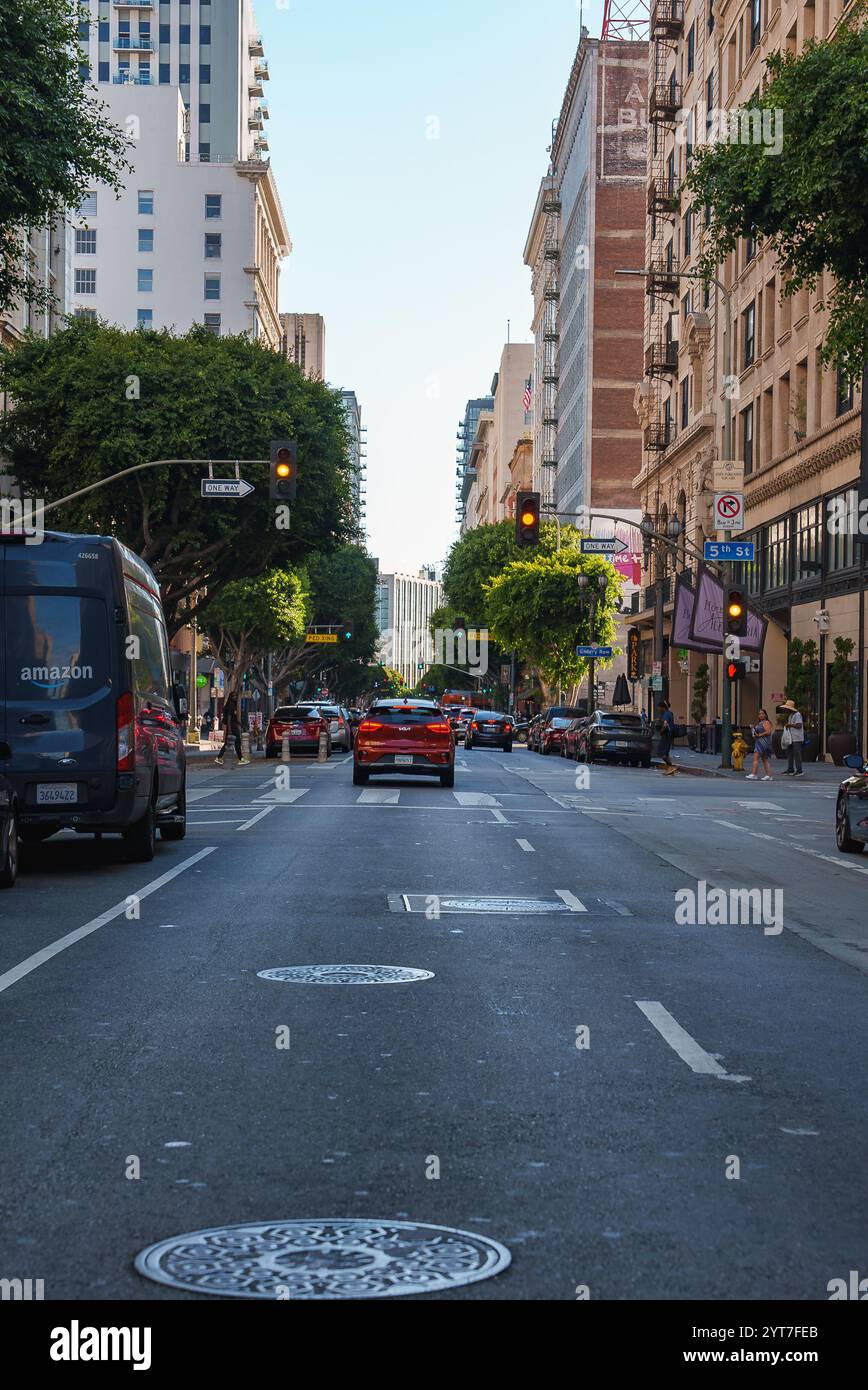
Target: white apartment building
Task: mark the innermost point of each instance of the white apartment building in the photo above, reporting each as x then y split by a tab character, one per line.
405	603
198	234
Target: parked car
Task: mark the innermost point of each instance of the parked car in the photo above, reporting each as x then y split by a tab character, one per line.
91	724
521	728
356	717
459	720
567	712
8	835
404	736
340	727
490	730
614	737
533	732
851	812
569	742
552	733
303	724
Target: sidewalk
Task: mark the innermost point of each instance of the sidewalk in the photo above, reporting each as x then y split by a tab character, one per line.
708	765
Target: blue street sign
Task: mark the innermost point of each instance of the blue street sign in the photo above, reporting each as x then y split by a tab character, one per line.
729	550
594	653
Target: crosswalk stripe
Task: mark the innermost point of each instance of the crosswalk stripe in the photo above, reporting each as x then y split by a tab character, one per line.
475	799
379	796
283	798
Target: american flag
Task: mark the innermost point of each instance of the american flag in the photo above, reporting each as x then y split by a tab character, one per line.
528	395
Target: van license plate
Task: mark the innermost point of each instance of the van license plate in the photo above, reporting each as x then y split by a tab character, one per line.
622	743
402	760
52	793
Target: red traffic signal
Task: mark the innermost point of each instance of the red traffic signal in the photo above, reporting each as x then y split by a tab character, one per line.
735	670
283	470
527	518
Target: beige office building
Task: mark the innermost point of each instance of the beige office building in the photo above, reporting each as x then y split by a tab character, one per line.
796	427
303	343
492	493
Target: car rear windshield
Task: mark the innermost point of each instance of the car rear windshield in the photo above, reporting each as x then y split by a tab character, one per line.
57	647
559	723
622	721
406	714
297	712
568	710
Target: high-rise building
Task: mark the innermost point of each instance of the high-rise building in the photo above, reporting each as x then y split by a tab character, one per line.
304	343
588	221
405	603
466	435
198	234
353	414
490	494
795	425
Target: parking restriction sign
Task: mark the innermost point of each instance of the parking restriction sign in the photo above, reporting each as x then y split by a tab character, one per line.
729	511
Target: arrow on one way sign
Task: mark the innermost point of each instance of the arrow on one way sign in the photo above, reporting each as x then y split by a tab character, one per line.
226	487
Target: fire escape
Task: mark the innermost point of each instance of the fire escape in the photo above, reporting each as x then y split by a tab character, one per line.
664	103
551	336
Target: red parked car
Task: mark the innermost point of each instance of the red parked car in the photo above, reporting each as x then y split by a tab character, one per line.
552	735
404	736
303	724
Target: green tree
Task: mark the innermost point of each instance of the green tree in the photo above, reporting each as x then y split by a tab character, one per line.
807	202
536	608
95	399
250	617
482	554
839	716
55	141
803	671
699	699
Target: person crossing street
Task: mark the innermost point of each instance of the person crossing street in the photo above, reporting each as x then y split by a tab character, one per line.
231	730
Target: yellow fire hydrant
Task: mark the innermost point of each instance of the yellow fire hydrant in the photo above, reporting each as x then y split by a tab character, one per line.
739	749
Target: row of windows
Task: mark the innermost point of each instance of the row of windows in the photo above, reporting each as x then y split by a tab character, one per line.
145	318
213	204
85	282
103	28
803	546
143	73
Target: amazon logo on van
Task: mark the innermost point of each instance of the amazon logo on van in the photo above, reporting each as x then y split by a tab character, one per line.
49	677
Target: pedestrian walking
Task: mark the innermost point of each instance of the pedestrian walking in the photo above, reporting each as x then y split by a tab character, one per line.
231	730
793	738
762	748
666	726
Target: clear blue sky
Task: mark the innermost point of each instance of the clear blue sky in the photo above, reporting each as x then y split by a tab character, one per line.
412	247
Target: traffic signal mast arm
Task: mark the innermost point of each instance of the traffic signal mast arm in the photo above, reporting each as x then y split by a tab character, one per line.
137	468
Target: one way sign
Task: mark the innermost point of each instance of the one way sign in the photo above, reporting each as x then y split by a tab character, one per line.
226	487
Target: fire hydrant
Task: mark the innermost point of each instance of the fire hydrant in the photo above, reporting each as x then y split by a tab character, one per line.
739	749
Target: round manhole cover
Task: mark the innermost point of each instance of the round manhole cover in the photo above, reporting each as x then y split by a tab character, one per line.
345	974
323	1259
500	905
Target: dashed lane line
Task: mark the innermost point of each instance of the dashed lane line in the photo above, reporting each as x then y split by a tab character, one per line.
680	1041
253	821
570	899
63	943
526	846
839	863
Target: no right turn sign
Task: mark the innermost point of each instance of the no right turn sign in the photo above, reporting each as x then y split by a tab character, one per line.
729	511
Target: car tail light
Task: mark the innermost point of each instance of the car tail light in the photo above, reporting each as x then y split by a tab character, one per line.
438	728
368	726
126	734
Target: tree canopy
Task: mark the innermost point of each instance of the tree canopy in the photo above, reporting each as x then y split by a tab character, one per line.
55	140
808	201
249	617
95	399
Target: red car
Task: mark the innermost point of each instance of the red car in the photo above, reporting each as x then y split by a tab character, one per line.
552	735
412	737
303	724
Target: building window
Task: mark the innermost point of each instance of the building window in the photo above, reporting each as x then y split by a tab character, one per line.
212	286
146	239
85	313
85	242
88	205
212	323
709	103
213	246
183	33
685	402
103	72
84	71
747	438
165	72
204	112
145	317
750	570
84	29
756	11
777	555
687	306
691	49
183	73
843	392
807	543
749	320
145	281
213	206
204	72
85	282
103	31
204	33
146	202
688	231
670	175
165	33
841	512
205	151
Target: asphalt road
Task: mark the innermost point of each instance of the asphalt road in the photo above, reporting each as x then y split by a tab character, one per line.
155	1085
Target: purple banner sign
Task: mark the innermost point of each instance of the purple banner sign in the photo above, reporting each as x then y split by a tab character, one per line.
682	615
706	622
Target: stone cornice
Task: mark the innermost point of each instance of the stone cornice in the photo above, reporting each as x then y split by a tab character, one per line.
782	479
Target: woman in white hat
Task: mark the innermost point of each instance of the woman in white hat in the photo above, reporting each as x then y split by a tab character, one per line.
795	726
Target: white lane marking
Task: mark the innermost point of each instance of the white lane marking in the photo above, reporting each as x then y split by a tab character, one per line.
475	799
247	824
227	820
378	796
200	793
33	962
526	846
283	798
571	900
621	910
680	1041
406	901
760	805
501	818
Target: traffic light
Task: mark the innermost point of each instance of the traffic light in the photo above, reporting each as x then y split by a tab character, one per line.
735	671
347	632
735	611
283	473
527	519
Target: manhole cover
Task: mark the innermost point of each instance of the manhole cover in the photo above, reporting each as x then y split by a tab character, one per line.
501	905
345	974
436	903
323	1259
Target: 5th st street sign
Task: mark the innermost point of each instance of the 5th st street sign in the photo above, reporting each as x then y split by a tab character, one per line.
592	546
226	487
729	550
